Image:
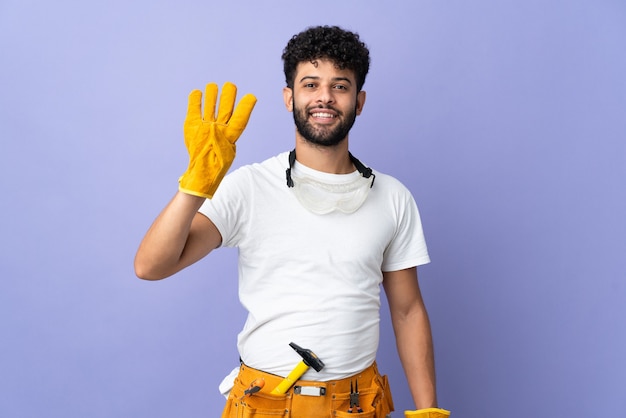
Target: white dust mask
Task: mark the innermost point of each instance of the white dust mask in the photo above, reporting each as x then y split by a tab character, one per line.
345	194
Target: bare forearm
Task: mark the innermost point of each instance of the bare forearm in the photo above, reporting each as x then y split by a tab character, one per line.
166	247
415	348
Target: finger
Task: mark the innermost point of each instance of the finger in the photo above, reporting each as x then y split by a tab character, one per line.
227	102
210	100
241	116
194	106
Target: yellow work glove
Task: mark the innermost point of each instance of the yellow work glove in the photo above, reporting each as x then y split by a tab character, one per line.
210	140
427	413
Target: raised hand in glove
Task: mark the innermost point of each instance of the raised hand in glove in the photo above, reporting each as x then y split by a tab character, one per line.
427	413
210	139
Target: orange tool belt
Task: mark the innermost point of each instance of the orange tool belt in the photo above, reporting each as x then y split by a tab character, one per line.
310	399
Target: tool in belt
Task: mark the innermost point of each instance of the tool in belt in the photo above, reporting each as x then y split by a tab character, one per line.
354	398
309	359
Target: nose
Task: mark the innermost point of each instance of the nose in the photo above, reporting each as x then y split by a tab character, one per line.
325	95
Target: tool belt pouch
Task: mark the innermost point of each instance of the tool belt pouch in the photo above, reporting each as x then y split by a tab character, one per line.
375	401
261	405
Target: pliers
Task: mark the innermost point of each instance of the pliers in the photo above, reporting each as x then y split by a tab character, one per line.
354	398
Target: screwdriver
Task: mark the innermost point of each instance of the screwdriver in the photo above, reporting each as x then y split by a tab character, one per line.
255	386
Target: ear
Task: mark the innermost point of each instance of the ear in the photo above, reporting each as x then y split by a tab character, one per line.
360	101
288	98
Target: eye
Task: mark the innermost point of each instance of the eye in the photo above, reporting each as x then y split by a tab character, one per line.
340	87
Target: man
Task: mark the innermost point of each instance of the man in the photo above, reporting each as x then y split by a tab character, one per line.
317	233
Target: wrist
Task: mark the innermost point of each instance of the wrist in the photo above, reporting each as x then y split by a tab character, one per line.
188	202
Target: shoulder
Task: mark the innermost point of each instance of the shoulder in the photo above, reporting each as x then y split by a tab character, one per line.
390	186
276	164
388	180
250	174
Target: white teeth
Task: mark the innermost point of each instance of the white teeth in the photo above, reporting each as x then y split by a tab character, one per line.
323	115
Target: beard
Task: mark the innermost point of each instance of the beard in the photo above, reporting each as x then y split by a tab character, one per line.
323	136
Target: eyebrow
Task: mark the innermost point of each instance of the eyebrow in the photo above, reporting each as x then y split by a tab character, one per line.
311	77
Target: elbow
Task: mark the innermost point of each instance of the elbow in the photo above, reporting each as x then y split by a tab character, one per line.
144	271
144	274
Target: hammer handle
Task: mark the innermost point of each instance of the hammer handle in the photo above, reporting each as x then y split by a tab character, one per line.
291	378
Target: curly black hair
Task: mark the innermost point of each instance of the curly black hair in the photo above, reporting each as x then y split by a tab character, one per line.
340	46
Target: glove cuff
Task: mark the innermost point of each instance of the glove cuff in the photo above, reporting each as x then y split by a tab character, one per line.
201	181
427	413
194	193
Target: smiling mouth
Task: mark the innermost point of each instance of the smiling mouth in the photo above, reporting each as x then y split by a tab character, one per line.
323	115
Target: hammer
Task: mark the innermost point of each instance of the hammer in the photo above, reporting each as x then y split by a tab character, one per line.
309	359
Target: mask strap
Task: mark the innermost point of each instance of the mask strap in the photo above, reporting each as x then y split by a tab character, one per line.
292	161
366	172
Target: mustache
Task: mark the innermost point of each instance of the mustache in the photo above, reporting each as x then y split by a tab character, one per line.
322	106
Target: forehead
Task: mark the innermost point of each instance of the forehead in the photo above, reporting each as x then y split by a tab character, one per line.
322	68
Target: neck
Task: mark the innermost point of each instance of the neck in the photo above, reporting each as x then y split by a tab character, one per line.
334	160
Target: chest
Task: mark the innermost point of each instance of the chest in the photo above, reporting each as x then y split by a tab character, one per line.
282	230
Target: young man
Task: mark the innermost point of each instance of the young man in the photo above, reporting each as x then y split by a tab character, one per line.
317	233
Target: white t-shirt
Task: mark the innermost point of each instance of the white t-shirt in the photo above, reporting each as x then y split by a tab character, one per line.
312	279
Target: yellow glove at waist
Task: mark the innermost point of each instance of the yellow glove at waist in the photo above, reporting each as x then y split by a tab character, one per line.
427	413
210	139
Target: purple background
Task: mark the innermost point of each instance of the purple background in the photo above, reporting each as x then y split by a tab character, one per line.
505	118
